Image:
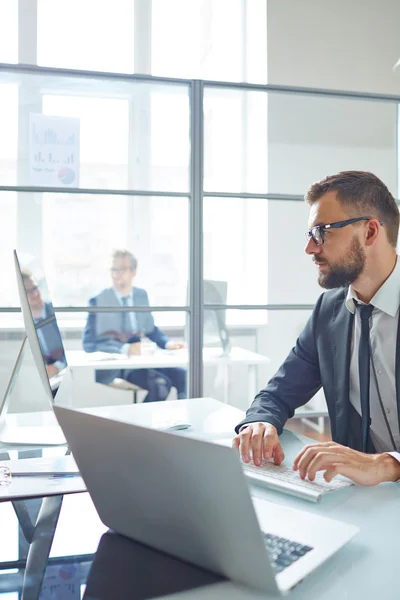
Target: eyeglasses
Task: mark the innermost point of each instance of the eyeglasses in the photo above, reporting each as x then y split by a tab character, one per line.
317	232
114	270
32	290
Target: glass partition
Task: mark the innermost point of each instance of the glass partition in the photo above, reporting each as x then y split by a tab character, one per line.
112	134
76	234
235	248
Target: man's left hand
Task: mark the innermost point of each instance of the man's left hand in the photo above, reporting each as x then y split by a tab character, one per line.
334	459
175	345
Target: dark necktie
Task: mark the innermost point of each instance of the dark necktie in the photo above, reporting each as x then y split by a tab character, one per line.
364	358
125	325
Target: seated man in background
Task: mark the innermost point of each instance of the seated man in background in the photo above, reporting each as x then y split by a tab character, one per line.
121	332
48	334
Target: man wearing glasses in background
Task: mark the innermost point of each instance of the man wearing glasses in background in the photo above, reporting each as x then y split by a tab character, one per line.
46	327
122	332
350	345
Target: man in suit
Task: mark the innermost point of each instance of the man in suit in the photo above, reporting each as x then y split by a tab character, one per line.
351	343
122	332
47	330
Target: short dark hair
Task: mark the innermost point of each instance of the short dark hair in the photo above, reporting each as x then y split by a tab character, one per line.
364	194
124	253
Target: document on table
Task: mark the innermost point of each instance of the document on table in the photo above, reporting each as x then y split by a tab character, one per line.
42	466
34	477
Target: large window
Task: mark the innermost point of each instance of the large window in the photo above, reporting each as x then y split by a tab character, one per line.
236	248
88	34
235	141
9	31
222	39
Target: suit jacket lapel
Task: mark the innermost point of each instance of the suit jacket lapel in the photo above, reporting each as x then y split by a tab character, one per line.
342	327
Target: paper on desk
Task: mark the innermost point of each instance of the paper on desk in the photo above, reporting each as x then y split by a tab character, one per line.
98	355
43	465
37	487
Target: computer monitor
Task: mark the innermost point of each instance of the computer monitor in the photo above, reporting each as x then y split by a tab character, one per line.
47	348
215	331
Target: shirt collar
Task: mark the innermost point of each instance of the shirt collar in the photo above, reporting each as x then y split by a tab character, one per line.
42	315
386	299
120	296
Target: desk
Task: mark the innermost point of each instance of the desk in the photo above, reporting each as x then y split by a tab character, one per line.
78	359
364	569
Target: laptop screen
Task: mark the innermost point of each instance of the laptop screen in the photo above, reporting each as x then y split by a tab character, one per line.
41	323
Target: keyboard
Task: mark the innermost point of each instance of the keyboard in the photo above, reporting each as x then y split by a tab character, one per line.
284	479
282	552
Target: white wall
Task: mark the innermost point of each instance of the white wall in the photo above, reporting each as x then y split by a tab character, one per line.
333	44
337	44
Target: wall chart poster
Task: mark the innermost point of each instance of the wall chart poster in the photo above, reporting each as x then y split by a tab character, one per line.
54	151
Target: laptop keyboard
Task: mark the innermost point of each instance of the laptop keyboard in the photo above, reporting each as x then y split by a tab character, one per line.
282	552
286	475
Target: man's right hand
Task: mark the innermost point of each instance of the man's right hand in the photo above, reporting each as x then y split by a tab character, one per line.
262	441
135	348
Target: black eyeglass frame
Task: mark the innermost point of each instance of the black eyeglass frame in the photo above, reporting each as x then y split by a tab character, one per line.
337	225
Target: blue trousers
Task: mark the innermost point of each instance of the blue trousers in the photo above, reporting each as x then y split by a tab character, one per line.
158	382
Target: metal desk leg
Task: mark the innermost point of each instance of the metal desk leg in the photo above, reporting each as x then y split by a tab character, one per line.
39	549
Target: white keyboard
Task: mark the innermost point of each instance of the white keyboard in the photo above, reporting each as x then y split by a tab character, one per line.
286	480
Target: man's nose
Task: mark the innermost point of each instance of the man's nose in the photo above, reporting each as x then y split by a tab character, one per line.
311	247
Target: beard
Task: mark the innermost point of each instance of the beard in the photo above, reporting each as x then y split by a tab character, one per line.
343	275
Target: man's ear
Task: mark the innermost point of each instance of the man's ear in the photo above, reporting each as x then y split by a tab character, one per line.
133	272
372	231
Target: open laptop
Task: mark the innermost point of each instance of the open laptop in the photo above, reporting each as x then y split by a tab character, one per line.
189	498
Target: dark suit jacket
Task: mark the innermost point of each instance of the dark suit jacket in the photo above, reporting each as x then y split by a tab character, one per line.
98	335
54	349
321	357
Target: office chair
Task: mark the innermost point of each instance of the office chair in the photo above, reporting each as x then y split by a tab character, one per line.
121	384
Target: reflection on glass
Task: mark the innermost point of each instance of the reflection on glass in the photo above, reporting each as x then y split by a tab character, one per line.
46	327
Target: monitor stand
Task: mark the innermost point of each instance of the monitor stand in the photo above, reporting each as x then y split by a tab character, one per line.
27	429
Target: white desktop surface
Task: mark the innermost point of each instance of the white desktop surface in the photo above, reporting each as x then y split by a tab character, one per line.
209	419
364	569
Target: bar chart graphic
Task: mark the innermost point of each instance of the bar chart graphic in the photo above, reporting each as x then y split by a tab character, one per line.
54	144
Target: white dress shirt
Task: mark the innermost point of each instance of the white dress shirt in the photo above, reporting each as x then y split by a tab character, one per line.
383	336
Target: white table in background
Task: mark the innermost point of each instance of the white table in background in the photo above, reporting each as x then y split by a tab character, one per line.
78	359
